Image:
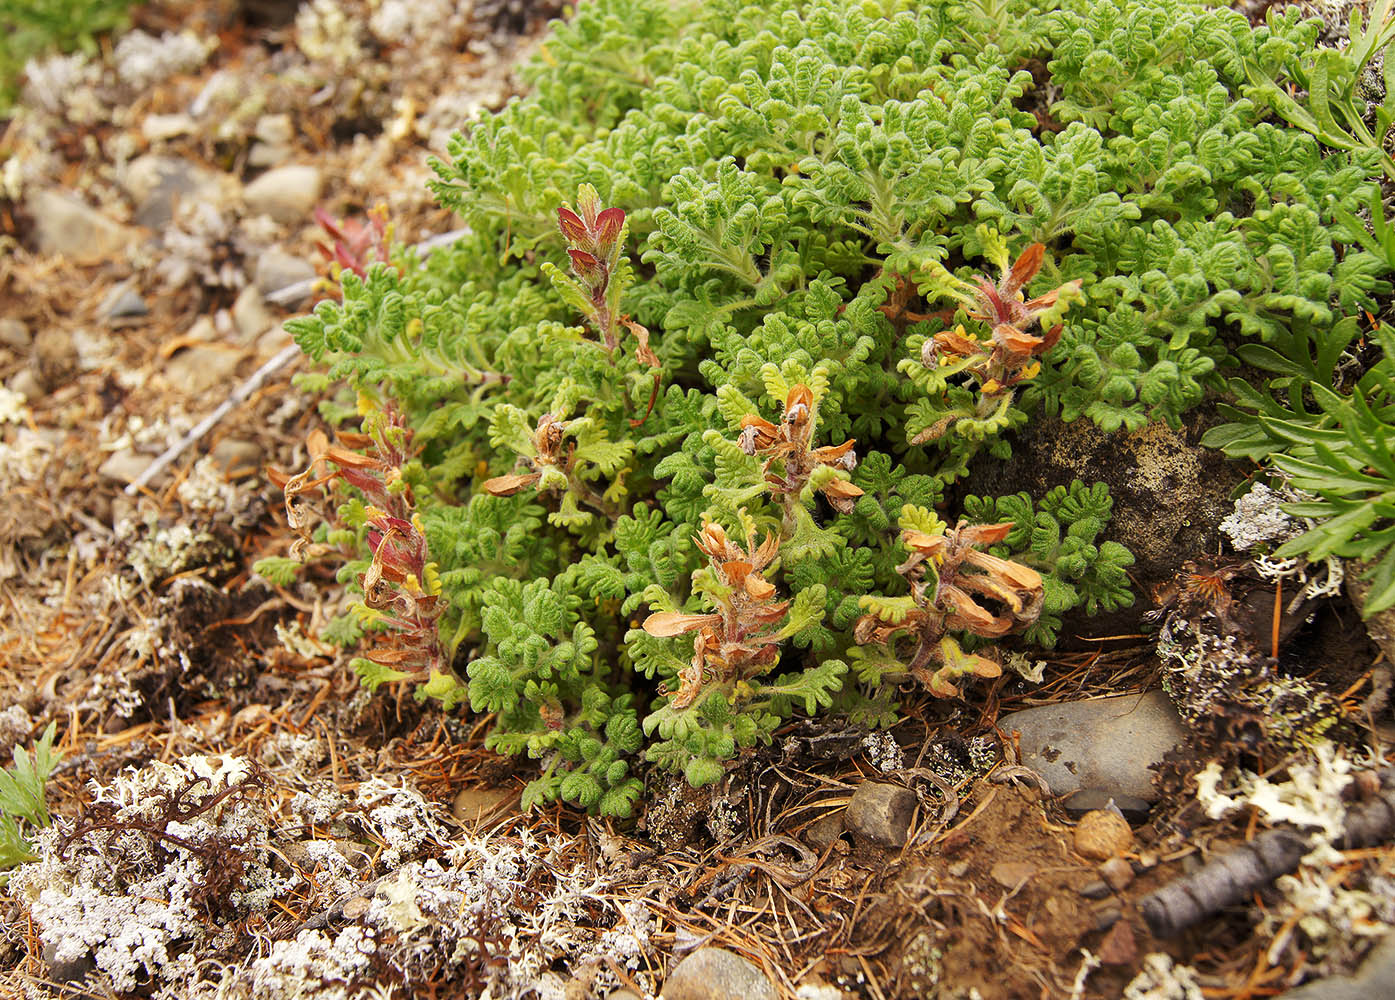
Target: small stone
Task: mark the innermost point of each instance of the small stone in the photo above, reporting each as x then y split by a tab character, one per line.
276	130
195	370
1094	889
156	184
356	907
251	318
1117	872
157	128
68	970
824	831
55	358
13	333
1011	874
623	994
881	813
958	870
204	330
26	383
277	269
1104	743
717	974
1101	835
125	466
121	302
1077	804
68	226
475	805
264	154
287	194
1106	915
237	458
1119	946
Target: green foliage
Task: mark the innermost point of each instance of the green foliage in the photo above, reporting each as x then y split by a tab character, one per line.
1329	442
32	28
22	799
1337	102
541	675
787	270
278	570
1059	537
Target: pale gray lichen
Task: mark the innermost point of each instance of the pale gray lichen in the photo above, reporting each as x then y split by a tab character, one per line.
205	490
135	902
398	816
326	33
1259	519
142	60
1336	921
883	751
1162	979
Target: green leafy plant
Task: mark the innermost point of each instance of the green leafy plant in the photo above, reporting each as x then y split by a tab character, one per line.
1060	538
700	349
1332	99
36	27
1329	443
23	804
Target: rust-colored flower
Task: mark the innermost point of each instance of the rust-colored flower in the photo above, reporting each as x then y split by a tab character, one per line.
789	461
737	641
969	591
1007	356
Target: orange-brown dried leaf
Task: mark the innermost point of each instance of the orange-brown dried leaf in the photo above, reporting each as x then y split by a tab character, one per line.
1025	268
957	343
507	486
759	588
643	353
344	458
985	534
667	624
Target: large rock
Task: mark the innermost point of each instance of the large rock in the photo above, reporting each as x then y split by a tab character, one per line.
67	226
717	974
287	194
1170	495
1105	744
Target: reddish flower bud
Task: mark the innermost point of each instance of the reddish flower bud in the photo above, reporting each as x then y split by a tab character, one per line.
587	267
571	225
608	225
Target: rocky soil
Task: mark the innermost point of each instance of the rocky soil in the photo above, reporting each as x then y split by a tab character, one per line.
235	817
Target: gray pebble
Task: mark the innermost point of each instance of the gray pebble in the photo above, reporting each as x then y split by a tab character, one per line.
881	813
287	194
277	269
69	226
717	974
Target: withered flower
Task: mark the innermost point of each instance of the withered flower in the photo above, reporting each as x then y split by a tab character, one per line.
952	599
787	444
738	640
1008	356
547	448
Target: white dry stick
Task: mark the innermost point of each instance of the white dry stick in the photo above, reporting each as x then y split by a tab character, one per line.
285	356
1089	962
